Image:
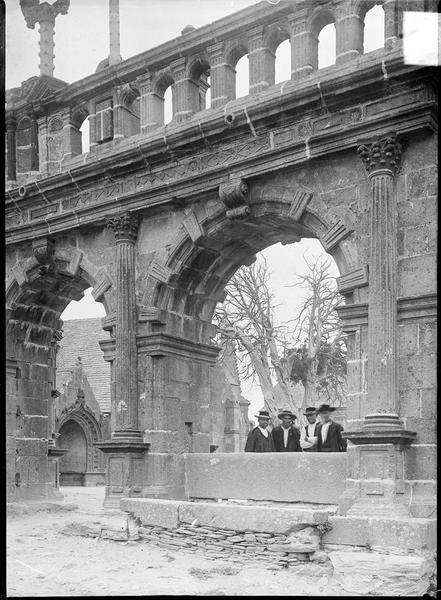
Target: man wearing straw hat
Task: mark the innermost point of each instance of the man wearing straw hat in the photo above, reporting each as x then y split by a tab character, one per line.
260	439
308	438
286	437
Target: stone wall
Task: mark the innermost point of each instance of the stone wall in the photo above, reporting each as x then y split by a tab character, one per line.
283	477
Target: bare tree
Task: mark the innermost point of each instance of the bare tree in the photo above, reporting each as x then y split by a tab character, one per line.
318	359
247	316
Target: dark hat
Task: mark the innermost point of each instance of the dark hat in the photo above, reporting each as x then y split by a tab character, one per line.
287	413
325	408
311	410
263	414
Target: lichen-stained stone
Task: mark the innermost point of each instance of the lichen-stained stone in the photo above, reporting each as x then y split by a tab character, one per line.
152	512
375	574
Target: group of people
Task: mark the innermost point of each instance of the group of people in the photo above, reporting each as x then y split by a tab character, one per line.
315	436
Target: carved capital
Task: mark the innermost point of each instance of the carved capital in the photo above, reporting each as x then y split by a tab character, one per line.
234	195
383	153
34	12
125	226
44	252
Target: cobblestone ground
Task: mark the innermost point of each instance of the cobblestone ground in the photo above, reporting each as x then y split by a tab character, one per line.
41	561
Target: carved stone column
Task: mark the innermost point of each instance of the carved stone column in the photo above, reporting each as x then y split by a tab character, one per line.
377	463
34	140
262	62
124	465
11	127
304	47
222	76
349	32
126	393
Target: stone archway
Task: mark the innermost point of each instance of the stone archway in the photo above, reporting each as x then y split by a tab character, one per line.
73	465
47	276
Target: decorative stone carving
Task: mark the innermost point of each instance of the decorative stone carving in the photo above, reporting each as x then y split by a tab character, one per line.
336	234
44	252
233	195
355	279
102	284
383	153
193	226
45	14
125	226
300	201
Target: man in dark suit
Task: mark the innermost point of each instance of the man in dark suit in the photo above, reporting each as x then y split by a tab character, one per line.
259	439
329	437
308	437
286	437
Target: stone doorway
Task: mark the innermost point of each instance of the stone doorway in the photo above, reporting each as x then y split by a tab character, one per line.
73	465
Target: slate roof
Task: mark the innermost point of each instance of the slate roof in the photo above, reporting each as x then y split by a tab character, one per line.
80	338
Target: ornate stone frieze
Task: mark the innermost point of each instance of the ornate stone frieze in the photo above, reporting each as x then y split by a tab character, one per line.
125	226
234	195
382	153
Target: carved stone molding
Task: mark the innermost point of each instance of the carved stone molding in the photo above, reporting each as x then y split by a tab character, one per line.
125	226
193	226
300	201
355	279
335	234
382	153
234	195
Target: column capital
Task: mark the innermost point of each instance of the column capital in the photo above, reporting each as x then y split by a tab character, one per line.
11	122
125	226
383	153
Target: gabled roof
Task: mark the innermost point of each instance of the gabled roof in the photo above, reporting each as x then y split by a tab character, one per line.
80	339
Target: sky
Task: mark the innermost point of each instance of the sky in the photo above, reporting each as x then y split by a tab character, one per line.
81	42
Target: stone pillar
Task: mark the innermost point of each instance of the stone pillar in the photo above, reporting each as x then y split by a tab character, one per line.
377	461
304	47
91	108
45	14
392	22
349	33
262	62
126	378
11	127
151	104
123	114
114	37
124	464
34	141
185	92
222	77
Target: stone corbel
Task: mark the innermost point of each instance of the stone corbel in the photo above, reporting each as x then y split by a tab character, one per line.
234	195
44	252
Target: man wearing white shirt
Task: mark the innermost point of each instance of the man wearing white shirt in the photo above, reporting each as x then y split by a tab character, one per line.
260	439
308	438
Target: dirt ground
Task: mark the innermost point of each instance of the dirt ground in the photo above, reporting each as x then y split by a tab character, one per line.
41	561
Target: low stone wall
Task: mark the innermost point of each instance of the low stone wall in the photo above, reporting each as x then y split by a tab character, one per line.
317	478
363	555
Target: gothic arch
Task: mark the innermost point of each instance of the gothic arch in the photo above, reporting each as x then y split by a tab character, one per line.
92	431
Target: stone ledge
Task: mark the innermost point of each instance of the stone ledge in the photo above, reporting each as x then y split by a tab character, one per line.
406	533
265	519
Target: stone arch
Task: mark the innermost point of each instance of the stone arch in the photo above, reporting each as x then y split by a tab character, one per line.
234	51
198	72
40	288
161	82
317	20
26	145
207	250
275	35
92	431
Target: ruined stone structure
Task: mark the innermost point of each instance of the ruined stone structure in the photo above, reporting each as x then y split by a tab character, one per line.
157	219
82	408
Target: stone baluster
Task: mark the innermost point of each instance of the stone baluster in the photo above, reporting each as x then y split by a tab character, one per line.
262	62
125	227
11	128
222	76
349	32
304	47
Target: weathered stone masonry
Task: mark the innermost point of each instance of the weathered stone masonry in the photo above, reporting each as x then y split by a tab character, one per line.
209	191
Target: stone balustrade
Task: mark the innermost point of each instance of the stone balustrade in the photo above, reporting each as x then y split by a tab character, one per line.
45	115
